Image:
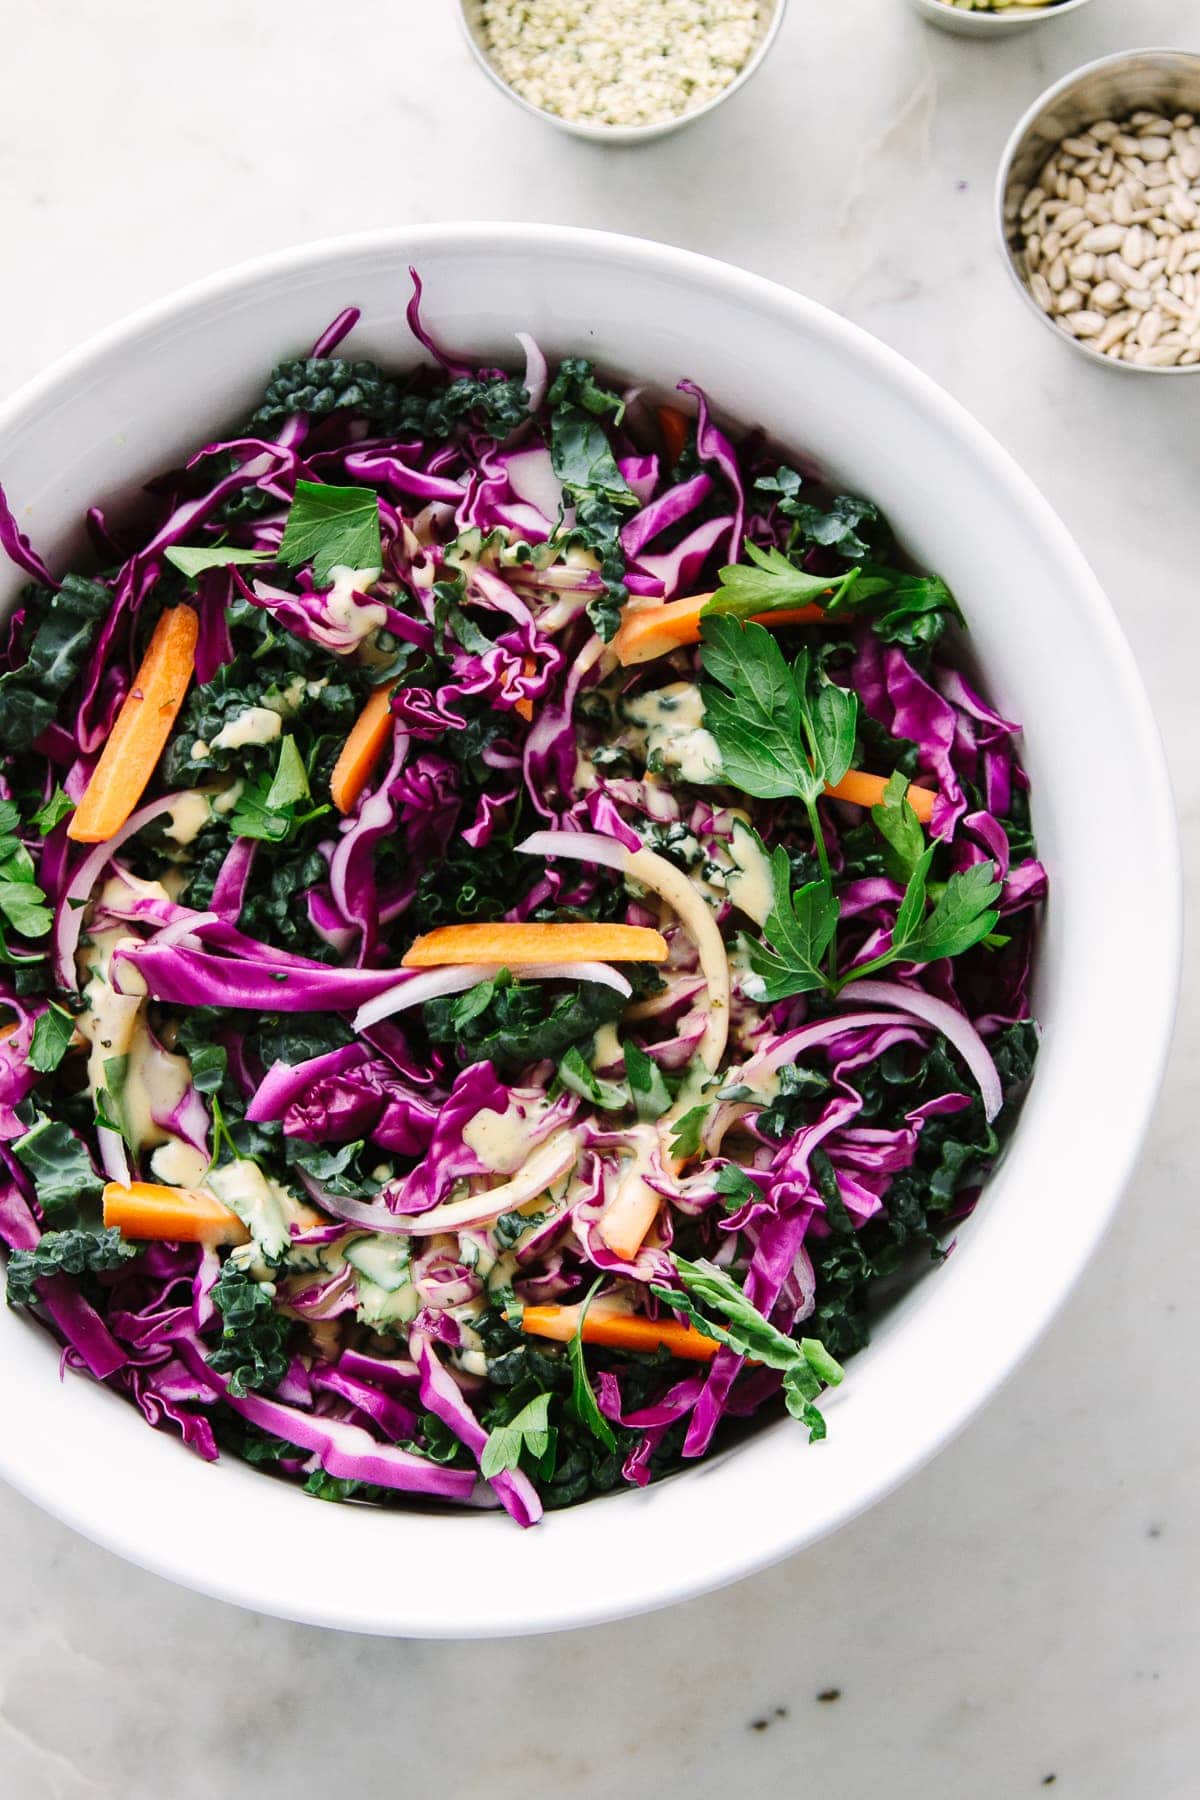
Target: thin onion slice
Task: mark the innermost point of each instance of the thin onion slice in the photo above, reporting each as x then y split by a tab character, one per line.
179	931
68	917
672	886
953	1025
548	1164
429	984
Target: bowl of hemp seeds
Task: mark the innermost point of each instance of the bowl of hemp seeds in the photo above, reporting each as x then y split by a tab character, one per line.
620	71
1098	207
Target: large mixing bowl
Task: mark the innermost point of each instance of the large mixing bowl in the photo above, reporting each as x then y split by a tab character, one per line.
131	402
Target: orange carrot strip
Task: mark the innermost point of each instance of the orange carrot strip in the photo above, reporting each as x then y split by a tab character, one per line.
142	729
620	1331
524	707
674	427
145	1209
655	627
868	790
516	945
362	749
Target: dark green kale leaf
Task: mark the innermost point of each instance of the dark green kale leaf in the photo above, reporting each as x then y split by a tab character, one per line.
67	1186
253	1351
323	385
65	1253
519	1023
585	463
847	525
59	631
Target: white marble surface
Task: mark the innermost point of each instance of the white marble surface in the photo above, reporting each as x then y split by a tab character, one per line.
1024	1609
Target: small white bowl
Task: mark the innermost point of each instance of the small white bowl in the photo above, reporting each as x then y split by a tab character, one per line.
97	426
993	25
1111	88
770	18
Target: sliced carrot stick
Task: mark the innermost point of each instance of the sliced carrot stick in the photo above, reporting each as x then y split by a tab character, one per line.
517	946
620	1331
868	790
524	707
362	749
674	427
654	627
145	1209
143	726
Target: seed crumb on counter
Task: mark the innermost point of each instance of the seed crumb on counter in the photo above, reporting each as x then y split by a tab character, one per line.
1108	238
619	62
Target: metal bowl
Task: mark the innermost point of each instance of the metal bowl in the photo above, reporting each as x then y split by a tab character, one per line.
991	24
770	18
1112	88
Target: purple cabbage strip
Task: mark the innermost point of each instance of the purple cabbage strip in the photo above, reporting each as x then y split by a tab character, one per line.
441	1396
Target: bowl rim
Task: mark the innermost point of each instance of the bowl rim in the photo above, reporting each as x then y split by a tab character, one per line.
631	134
1008	156
48	1476
1018	20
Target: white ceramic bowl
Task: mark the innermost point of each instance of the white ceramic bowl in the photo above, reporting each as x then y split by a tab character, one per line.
770	18
994	25
132	401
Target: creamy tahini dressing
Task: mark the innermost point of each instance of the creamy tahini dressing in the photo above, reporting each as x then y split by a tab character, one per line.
189	815
253	725
499	1140
155	1080
748	883
266	1208
670	721
357	618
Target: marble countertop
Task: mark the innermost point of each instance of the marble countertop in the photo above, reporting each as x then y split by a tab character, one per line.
1021	1615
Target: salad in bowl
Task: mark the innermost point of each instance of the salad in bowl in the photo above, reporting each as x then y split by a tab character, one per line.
517	922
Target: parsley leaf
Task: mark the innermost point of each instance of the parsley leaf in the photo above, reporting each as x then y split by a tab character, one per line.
735	1187
51	1035
272	811
755	713
328	526
650	1093
575	1074
964	914
805	1365
779	732
194	560
769	582
529	1430
900	830
688	1132
583	1403
799	930
53	812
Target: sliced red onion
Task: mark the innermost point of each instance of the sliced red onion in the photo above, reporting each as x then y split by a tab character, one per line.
112	1155
552	1160
536	371
180	930
68	915
532	479
580	846
953	1025
603	974
415	989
